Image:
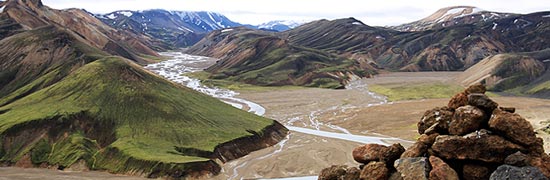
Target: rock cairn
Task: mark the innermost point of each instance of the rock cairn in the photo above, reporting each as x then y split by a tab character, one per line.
471	138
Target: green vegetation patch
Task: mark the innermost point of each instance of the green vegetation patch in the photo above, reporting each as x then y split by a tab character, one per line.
207	80
150	116
417	91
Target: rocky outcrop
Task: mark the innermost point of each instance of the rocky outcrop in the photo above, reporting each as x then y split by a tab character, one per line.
240	147
478	140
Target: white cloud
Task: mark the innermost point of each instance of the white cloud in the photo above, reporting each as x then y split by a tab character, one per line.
372	12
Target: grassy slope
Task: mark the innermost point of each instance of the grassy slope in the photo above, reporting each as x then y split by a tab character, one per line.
151	115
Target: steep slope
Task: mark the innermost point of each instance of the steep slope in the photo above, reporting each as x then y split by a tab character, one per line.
451	16
32	14
176	28
523	73
64	101
259	57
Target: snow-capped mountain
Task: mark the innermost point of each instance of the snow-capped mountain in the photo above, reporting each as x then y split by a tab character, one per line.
178	28
450	16
281	25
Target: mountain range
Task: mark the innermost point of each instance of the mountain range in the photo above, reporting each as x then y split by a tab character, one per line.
73	92
180	28
455	47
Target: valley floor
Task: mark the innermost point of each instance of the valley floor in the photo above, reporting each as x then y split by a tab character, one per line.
354	110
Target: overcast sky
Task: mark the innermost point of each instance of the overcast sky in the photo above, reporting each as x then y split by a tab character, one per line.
371	12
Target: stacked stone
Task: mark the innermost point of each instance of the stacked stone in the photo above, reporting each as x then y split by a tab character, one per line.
471	138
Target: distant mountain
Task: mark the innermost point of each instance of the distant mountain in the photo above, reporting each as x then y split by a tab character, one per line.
451	16
176	28
371	49
280	25
71	94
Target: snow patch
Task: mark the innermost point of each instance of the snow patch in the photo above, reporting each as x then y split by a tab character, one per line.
290	23
495	26
227	30
546	16
2	9
111	16
356	23
126	13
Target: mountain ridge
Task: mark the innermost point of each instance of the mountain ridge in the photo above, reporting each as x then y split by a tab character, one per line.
451	16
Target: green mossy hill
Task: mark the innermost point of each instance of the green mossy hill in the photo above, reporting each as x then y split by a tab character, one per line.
112	114
260	58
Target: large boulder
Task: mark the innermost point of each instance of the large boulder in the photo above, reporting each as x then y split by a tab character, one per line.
479	145
417	168
339	173
441	170
376	152
436	119
517	173
475	172
375	171
513	126
467	119
482	101
458	100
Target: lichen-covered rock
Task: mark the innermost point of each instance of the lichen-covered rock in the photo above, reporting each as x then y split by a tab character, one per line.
517	173
441	170
475	172
376	152
437	119
374	171
339	173
458	100
513	126
482	101
413	168
479	145
467	119
517	159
